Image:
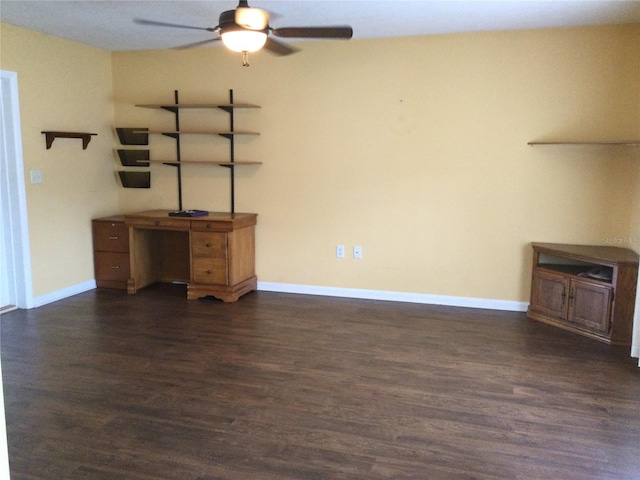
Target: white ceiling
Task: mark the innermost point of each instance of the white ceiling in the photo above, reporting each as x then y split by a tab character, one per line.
110	24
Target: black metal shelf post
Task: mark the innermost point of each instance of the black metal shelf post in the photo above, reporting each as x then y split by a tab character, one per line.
176	111
232	154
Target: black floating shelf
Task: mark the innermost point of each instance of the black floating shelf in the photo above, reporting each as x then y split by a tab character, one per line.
133	136
134	158
135	179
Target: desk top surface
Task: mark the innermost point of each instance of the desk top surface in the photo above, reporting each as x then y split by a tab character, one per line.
215	216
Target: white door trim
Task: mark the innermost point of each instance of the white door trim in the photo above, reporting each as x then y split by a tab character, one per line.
15	218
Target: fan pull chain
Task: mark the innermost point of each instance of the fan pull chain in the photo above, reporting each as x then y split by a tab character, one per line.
245	59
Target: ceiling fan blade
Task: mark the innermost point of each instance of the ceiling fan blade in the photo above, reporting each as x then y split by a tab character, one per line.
196	44
153	23
279	48
341	31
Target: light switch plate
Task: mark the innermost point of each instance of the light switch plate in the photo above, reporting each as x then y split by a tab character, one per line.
36	176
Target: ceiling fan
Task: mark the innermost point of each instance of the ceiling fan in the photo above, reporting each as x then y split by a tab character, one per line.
247	29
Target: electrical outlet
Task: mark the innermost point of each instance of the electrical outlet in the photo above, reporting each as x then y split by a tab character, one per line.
357	251
339	251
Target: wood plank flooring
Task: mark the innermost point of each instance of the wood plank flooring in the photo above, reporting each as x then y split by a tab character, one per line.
109	386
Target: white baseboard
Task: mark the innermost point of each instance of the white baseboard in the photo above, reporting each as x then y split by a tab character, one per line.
395	296
64	293
423	298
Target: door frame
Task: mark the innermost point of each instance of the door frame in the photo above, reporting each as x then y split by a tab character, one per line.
15	218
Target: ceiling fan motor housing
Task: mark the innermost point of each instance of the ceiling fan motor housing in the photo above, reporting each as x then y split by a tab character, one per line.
227	23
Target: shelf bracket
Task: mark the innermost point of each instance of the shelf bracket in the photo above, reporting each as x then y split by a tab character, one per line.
50	136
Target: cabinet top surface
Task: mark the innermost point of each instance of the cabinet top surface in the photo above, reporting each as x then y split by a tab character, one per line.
113	218
211	216
590	252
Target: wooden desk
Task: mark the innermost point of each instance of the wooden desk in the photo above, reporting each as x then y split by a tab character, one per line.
213	254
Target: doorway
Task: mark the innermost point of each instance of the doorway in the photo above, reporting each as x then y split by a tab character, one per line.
15	260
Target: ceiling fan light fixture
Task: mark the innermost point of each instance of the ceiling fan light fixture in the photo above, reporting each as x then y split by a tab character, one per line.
244	40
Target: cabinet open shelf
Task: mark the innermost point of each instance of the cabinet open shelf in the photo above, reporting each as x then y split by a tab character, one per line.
579	271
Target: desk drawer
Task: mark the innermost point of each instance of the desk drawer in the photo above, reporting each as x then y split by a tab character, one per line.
168	223
211	226
111	266
209	244
210	271
110	237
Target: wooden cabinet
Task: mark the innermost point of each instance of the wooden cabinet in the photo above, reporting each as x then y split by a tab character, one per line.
111	252
586	289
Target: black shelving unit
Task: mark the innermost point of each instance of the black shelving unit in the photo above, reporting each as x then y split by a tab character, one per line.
178	163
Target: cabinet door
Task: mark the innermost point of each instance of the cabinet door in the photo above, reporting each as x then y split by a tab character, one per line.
590	306
549	294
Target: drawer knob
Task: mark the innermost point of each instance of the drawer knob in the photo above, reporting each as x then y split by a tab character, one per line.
113	237
157	222
208	244
208	225
115	267
209	272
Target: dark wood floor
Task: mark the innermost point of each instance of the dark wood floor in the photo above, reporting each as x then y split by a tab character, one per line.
152	386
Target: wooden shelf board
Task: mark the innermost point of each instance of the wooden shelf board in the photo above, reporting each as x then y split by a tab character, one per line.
186	132
602	142
208	162
50	136
237	164
199	105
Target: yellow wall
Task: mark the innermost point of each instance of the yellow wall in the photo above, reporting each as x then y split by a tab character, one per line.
63	86
414	148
